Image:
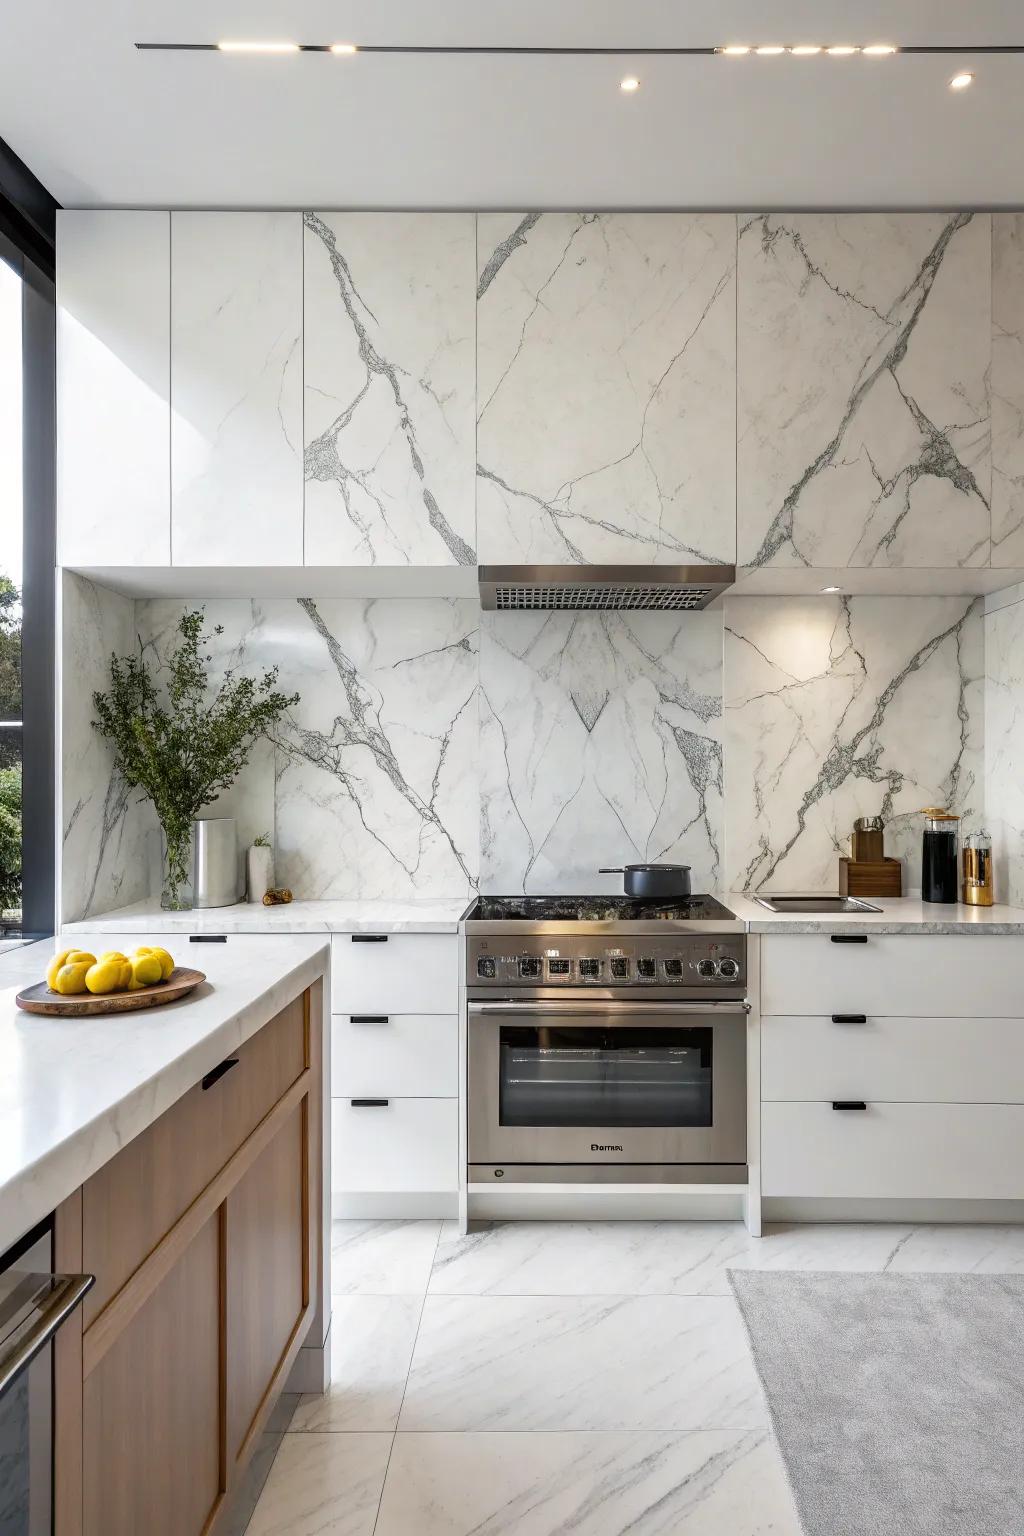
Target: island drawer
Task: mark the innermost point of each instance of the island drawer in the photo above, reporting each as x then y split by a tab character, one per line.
893	1151
392	1145
911	1060
407	1055
945	975
395	973
135	1199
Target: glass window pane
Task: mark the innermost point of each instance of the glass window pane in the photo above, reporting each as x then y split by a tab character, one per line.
11	513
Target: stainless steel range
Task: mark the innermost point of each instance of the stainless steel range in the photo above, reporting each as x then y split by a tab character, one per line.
607	1040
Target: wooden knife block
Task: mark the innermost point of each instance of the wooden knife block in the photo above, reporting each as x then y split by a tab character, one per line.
875	877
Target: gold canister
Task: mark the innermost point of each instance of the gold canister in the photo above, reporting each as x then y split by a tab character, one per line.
977	884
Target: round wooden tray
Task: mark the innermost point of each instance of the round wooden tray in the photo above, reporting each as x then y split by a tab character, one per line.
39	998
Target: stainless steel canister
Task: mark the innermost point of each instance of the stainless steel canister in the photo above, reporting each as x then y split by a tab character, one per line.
216	879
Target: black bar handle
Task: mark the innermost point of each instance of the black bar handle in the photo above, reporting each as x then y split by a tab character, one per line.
849	1018
369	1018
219	1072
848	938
369	938
207	938
848	1104
369	1103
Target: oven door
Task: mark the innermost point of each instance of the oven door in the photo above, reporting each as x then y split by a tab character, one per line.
601	1082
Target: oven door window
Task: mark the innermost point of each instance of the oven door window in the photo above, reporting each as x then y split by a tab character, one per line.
599	1075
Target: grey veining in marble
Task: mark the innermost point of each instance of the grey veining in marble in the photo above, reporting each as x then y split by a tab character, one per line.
106	829
605	387
1004	747
842	707
1007	389
389	381
863	375
322	1484
600	743
372	1340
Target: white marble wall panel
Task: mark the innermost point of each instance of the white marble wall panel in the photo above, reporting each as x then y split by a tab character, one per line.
862	378
113	382
844	707
1004	747
1008	389
606	387
600	744
108	834
236	388
390	373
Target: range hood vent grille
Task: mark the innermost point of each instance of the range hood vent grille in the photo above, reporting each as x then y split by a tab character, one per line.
590	588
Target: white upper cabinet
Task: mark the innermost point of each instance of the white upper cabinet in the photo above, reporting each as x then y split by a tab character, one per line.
113	363
236	389
863	390
389	388
606	379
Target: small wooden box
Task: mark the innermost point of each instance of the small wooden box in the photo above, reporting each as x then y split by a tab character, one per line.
881	877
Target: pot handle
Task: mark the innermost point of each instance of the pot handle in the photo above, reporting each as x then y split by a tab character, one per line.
619	871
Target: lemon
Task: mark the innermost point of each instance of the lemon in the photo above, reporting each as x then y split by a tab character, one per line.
146	971
66	957
165	958
71	977
108	975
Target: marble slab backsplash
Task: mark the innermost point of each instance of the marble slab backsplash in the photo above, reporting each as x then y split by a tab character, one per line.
1004	740
436	749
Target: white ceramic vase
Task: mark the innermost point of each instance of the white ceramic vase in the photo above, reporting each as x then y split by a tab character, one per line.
259	871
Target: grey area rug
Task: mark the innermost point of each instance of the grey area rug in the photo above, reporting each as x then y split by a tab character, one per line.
897	1400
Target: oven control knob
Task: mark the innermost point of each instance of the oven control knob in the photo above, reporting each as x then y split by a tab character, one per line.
674	970
486	968
728	969
645	968
590	968
529	966
706	968
619	967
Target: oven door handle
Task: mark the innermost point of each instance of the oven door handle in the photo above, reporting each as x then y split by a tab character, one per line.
597	1008
36	1330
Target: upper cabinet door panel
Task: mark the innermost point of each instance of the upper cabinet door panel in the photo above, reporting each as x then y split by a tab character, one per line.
113	361
236	388
863	353
1008	389
606	387
389	379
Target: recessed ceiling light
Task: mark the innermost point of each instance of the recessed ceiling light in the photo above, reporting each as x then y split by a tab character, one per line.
840	50
802	49
630	83
879	49
737	48
343	48
771	48
258	47
831	589
962	81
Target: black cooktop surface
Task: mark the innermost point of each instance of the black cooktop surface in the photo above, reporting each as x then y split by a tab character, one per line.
595	909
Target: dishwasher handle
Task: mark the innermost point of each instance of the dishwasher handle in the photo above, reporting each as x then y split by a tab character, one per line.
45	1301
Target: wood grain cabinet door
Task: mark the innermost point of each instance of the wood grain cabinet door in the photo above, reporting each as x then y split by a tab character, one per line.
151	1407
267	1286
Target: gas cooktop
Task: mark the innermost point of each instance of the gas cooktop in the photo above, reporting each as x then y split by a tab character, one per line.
597	909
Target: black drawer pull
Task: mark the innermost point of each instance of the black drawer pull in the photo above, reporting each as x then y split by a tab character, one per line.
848	938
369	1103
369	1018
369	938
849	1018
218	1072
207	938
848	1104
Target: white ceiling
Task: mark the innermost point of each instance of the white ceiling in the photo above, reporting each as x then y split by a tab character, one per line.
102	124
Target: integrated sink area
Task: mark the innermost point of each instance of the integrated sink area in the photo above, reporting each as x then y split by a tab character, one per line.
826	906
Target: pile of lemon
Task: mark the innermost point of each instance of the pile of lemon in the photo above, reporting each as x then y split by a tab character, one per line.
75	970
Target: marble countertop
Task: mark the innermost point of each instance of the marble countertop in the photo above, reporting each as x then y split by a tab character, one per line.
903	914
74	1091
418	916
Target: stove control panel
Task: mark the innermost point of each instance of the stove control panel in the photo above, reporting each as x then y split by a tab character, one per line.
661	960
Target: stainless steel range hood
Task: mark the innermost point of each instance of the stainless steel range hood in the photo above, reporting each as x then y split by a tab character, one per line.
607	588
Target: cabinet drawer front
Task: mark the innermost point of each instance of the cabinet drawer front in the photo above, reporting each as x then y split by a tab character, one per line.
903	1060
406	1055
395	973
948	975
893	1151
135	1199
406	1145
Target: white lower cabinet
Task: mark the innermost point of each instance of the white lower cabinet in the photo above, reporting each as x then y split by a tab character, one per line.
405	1146
411	1055
893	1151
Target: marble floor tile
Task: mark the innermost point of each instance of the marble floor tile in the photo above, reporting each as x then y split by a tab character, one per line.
582	1362
323	1485
382	1258
372	1340
982	1250
709	1483
641	1258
